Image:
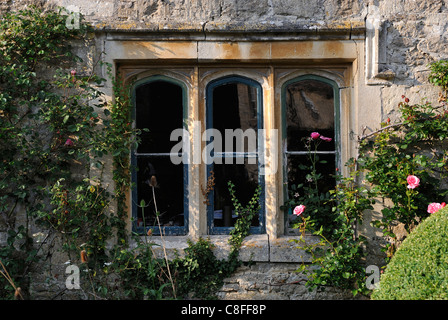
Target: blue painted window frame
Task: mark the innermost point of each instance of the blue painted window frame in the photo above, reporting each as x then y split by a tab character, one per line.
337	125
214	230
166	230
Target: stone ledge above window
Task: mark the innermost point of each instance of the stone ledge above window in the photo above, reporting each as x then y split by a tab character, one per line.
213	30
255	248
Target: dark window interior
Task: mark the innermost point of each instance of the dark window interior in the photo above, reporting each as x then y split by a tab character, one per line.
159	107
234	107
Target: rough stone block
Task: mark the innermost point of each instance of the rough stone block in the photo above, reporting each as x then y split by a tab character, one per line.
285	249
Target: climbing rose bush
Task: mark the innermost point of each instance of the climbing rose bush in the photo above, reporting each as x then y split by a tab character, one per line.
299	210
326	139
413	182
317	135
434	207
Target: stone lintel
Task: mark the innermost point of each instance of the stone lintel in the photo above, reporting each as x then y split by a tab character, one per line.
261	31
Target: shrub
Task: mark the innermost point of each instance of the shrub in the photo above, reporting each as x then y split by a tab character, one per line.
200	272
419	268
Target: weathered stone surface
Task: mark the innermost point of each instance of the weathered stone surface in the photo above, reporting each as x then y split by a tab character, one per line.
278	281
413	31
410	35
255	248
288	249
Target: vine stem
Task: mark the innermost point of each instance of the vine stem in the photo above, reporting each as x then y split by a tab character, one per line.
365	136
163	241
395	125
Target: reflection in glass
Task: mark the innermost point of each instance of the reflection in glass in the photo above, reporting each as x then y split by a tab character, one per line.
234	106
310	108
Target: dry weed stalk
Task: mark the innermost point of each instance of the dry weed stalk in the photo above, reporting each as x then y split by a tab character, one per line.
17	290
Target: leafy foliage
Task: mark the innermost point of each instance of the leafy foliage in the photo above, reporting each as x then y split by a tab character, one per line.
245	215
339	252
418	269
414	145
200	273
439	75
36	122
55	126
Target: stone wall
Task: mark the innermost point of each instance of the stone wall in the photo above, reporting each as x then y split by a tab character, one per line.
401	37
269	270
411	33
275	281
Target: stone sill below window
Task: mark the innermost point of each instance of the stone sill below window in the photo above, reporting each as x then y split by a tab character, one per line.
255	248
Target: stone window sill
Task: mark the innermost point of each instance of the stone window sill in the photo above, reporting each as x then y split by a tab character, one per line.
255	248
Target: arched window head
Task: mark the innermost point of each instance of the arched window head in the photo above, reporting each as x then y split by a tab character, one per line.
160	195
234	118
310	111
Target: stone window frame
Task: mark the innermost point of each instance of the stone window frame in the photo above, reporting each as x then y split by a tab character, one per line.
209	87
270	59
172	230
325	79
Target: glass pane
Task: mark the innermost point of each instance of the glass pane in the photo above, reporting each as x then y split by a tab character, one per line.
245	178
169	192
300	170
235	107
159	108
309	108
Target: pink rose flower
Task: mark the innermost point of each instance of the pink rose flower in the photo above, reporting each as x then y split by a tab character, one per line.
69	142
73	73
315	135
413	181
325	138
434	207
299	210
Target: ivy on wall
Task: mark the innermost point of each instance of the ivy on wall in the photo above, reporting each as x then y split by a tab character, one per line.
58	133
56	126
